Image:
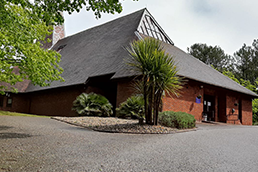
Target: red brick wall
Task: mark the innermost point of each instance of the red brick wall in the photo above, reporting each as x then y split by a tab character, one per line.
247	115
224	103
58	102
20	103
125	89
54	102
222	117
232	117
246	102
186	101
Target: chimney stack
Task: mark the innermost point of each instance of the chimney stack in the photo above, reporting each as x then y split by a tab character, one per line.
57	34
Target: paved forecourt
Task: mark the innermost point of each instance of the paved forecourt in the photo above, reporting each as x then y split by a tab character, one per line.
43	144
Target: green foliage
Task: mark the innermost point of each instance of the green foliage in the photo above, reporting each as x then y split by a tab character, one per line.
132	107
255	111
92	105
48	10
245	83
159	74
230	75
19	30
180	120
247	62
210	55
24	25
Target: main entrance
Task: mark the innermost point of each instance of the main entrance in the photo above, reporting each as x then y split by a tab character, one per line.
209	108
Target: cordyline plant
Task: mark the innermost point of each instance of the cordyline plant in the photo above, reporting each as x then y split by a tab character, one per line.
159	75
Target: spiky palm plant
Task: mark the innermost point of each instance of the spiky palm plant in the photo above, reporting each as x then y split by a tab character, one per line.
92	105
159	74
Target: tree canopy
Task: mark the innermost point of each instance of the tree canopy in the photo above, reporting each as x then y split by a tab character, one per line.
243	64
213	56
20	36
49	10
24	24
247	62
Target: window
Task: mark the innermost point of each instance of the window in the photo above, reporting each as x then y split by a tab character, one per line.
150	28
1	101
60	48
9	102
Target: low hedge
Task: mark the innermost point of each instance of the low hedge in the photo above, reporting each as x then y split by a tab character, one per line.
180	120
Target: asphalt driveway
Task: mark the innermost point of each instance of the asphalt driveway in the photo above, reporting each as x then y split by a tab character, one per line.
42	144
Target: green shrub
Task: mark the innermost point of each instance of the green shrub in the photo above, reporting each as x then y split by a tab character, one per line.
180	120
133	107
92	105
255	111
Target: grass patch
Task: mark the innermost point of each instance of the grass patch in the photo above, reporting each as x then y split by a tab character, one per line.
20	114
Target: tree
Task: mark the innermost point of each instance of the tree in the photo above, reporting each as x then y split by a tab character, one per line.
18	34
213	56
24	25
245	83
247	62
158	73
49	10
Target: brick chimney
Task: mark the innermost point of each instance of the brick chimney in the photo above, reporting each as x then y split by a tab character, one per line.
57	34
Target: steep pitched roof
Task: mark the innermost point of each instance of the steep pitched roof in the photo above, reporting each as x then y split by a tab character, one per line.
20	86
100	51
96	51
192	68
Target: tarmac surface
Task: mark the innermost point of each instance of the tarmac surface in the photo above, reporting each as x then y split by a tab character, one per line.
43	144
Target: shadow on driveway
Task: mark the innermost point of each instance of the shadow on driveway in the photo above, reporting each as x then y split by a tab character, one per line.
13	135
2	127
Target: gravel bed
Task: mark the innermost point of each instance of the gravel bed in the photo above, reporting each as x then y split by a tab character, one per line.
117	125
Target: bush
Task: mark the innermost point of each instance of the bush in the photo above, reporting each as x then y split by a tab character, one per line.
255	111
180	120
92	105
133	107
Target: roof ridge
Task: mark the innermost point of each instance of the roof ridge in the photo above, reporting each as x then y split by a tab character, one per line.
94	27
226	77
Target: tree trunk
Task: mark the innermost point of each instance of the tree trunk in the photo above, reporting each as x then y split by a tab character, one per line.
145	100
150	103
156	107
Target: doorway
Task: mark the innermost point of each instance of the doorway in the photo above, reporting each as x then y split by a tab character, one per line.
240	110
222	115
209	107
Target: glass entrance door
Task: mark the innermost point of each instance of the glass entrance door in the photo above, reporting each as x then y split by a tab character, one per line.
209	107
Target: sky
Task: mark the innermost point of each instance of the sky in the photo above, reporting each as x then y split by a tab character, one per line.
226	23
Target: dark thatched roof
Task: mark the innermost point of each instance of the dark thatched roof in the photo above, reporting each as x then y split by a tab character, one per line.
100	51
96	51
20	86
192	68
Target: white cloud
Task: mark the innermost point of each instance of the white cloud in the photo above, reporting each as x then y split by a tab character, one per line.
228	24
